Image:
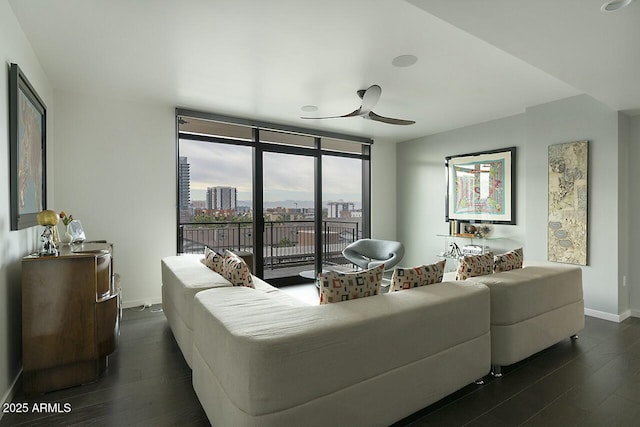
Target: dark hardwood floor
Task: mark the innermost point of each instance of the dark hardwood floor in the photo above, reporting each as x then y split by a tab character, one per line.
594	381
148	383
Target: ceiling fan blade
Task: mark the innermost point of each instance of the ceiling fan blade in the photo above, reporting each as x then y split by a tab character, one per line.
389	120
370	98
351	114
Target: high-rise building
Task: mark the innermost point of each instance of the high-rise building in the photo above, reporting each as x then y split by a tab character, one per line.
222	198
184	182
210	196
184	178
340	209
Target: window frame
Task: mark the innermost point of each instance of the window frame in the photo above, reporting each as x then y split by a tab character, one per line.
260	147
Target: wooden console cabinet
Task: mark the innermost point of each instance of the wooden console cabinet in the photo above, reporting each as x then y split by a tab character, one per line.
70	316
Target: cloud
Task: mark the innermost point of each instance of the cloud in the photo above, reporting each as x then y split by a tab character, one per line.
214	165
341	176
285	176
285	172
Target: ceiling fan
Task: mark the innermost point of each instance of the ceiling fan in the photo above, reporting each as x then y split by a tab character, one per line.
370	98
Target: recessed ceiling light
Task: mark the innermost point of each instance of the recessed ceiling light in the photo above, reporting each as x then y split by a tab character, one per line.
404	60
613	5
309	108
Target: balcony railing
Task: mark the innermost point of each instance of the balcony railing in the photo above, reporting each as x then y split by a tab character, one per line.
286	243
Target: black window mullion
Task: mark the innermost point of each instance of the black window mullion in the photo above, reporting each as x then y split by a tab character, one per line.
218	139
318	208
288	149
366	194
258	206
342	154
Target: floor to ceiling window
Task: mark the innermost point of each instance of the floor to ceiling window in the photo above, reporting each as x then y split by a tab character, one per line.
342	195
292	197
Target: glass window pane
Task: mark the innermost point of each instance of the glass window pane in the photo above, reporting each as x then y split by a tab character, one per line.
215	196
341	206
289	233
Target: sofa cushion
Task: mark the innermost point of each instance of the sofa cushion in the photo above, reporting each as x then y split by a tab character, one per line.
237	272
474	265
213	260
527	292
261	351
337	287
406	278
508	261
184	276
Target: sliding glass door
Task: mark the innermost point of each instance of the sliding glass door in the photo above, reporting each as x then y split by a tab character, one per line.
289	215
291	197
342	201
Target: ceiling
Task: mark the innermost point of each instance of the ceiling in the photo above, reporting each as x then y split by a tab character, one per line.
264	60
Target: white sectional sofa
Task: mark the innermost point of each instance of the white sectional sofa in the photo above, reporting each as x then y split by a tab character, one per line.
182	278
532	308
261	357
366	362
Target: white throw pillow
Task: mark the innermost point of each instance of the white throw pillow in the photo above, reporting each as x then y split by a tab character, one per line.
474	265
336	287
237	272
213	260
508	261
407	278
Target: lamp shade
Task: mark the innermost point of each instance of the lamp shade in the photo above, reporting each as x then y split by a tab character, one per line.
47	217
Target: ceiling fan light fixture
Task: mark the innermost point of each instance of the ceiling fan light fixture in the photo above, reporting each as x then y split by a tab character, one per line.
309	108
613	5
403	61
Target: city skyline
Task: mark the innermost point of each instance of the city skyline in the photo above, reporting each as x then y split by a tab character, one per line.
286	177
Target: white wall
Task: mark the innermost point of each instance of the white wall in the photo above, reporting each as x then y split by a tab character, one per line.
421	187
15	48
574	119
634	209
623	215
116	173
383	190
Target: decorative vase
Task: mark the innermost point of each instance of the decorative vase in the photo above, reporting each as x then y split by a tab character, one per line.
66	237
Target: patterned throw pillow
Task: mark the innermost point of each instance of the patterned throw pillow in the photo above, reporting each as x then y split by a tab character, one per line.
237	272
336	287
406	278
474	265
213	260
508	261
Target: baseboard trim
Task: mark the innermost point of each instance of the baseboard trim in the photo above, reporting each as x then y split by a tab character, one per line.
10	394
607	316
141	302
635	313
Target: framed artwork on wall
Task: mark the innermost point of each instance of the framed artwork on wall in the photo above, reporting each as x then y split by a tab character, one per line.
568	232
27	147
481	187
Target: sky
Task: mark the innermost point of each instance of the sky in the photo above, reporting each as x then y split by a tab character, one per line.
286	177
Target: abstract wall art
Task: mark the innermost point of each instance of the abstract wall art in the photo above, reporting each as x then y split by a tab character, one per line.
481	187
27	139
568	202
